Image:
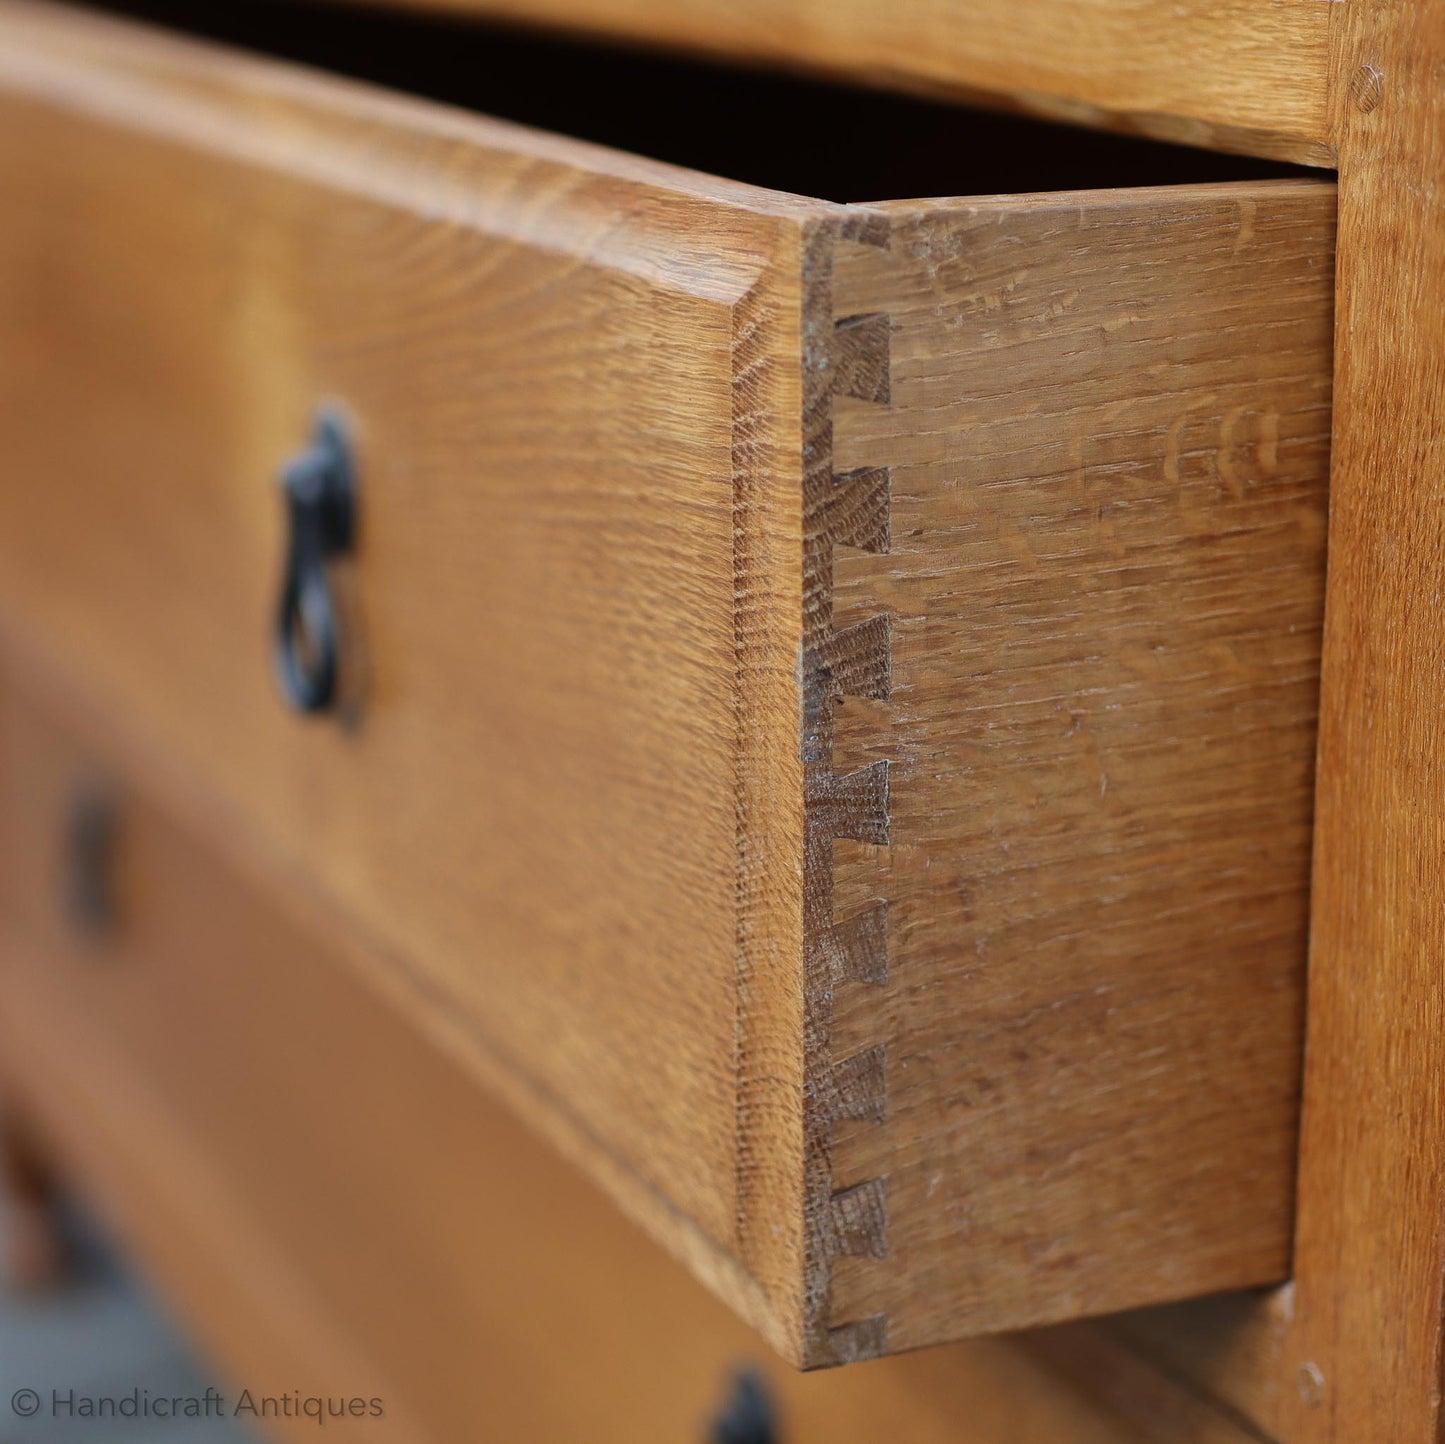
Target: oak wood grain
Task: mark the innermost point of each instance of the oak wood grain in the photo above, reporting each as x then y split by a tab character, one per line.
573	382
829	732
1166	1402
1246	75
1107	446
1229	1350
1368	1348
221	1077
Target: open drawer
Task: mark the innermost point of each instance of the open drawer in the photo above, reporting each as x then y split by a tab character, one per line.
825	701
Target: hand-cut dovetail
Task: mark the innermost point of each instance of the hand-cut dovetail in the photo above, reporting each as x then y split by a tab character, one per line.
866	229
858	947
860	1219
861	357
855	510
852	806
856	660
859	1087
843	510
863	1339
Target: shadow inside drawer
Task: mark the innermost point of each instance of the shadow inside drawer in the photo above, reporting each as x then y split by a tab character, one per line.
802	135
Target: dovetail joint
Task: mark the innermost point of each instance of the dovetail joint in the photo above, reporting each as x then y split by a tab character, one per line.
862	1339
850	509
857	947
860	1219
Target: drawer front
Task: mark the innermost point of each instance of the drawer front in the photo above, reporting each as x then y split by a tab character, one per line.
827	693
528	793
332	1202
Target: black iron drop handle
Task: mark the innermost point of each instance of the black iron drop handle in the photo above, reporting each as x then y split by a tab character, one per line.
91	829
319	485
747	1415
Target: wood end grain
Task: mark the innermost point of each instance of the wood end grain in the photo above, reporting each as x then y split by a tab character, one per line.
851	356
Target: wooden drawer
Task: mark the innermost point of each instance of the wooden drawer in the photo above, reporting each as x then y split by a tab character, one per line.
335	1206
828	690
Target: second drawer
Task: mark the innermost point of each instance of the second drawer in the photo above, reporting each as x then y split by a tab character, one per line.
826	693
331	1203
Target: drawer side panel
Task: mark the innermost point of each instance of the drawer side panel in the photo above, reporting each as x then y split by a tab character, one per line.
1107	443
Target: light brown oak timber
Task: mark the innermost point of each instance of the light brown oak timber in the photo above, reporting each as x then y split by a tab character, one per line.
833	747
1165	1405
335	1206
1097	733
577	438
1227	1350
1365	1356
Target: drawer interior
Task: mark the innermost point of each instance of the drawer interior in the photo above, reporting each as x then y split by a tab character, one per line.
781	132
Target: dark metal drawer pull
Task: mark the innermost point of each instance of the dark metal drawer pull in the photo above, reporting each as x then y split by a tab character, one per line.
91	830
320	490
747	1415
